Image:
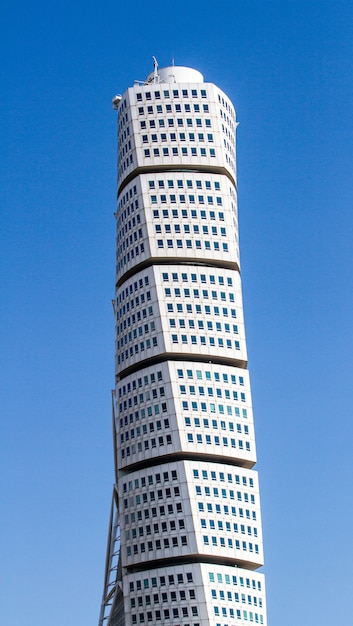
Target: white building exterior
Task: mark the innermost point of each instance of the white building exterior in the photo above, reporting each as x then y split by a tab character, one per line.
185	536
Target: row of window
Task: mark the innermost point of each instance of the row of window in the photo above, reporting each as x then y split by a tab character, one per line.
236	597
201	325
163	137
157	544
171	509
159	109
149	480
174	93
180	611
228	543
127	405
179	183
211	391
145	412
209	508
142	431
162	510
179	243
156	152
131	450
227	328
202	278
222	425
215	492
182	199
179	122
189	123
172	596
212	408
166	614
209	375
197	310
234	580
212	341
152	495
222	477
231	528
213	294
217	441
137	384
185	214
171	579
196	229
245	615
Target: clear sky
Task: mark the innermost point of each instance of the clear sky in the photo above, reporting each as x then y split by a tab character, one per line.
287	66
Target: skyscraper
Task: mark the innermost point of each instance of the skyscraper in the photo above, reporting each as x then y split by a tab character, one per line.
185	536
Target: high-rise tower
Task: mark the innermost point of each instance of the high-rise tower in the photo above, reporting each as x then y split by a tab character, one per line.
185	535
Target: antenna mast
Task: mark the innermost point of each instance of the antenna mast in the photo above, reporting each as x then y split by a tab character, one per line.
155	73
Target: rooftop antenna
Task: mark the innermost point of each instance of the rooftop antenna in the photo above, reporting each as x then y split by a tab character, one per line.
155	72
173	60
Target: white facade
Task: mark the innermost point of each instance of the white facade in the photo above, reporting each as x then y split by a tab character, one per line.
185	531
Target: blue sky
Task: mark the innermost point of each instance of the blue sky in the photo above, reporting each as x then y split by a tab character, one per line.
287	66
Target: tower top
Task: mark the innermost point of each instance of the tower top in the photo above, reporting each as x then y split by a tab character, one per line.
174	74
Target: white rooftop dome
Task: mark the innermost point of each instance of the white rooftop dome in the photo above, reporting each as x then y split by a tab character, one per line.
175	74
